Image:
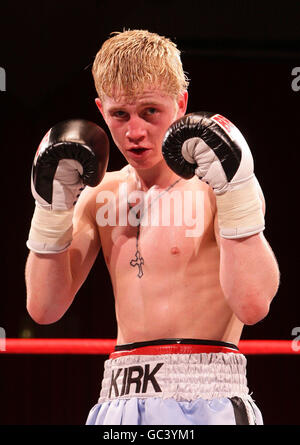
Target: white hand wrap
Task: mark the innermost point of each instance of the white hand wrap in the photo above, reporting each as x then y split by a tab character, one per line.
240	211
51	230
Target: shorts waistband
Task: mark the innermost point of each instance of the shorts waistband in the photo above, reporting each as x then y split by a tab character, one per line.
183	377
173	346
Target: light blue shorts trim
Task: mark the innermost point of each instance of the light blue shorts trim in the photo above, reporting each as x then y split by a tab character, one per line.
157	411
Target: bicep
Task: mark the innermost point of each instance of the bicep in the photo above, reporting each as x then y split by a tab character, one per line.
86	243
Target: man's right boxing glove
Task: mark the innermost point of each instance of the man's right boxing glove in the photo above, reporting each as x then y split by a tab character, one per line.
72	154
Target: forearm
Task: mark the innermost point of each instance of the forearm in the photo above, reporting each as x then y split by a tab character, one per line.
249	276
49	286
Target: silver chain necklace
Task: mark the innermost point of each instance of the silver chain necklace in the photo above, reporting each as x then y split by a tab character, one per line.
138	260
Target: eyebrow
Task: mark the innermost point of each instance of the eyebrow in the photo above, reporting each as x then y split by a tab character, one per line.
115	108
149	103
142	104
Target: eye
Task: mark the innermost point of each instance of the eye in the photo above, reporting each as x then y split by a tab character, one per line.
151	111
120	114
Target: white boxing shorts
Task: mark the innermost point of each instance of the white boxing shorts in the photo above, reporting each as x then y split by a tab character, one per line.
175	382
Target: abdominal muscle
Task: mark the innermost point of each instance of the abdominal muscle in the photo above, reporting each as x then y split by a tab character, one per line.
179	294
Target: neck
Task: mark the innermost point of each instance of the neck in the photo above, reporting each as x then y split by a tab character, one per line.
160	175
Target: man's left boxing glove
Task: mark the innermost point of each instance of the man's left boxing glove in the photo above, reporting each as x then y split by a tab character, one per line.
73	154
210	146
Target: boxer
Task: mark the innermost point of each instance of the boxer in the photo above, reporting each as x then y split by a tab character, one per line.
181	301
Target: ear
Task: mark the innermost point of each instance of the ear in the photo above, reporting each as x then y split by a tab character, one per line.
182	102
99	106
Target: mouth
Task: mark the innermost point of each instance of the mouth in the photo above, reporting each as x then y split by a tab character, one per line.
138	151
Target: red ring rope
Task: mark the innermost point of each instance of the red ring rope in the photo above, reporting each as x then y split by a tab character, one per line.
106	346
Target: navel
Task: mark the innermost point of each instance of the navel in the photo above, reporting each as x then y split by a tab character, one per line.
175	250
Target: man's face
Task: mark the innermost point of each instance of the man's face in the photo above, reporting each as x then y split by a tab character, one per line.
138	125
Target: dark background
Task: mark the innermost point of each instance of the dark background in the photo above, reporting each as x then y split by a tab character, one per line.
239	56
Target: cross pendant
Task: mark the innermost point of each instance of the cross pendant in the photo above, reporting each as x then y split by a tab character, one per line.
138	261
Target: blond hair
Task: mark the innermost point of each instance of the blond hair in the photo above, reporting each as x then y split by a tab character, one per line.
130	61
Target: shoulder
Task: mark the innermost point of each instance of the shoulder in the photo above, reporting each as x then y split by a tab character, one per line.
110	182
197	185
112	179
88	198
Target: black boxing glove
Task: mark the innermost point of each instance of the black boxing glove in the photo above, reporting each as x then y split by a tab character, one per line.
210	146
72	154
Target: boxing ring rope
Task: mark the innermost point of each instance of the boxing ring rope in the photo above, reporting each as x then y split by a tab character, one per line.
106	346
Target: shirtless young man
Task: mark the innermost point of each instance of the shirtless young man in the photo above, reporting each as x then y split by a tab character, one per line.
181	297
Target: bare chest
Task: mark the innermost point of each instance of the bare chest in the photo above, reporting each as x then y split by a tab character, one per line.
156	230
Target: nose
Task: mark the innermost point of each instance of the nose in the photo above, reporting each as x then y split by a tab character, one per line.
136	130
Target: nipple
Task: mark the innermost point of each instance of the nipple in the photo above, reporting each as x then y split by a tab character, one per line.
175	250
